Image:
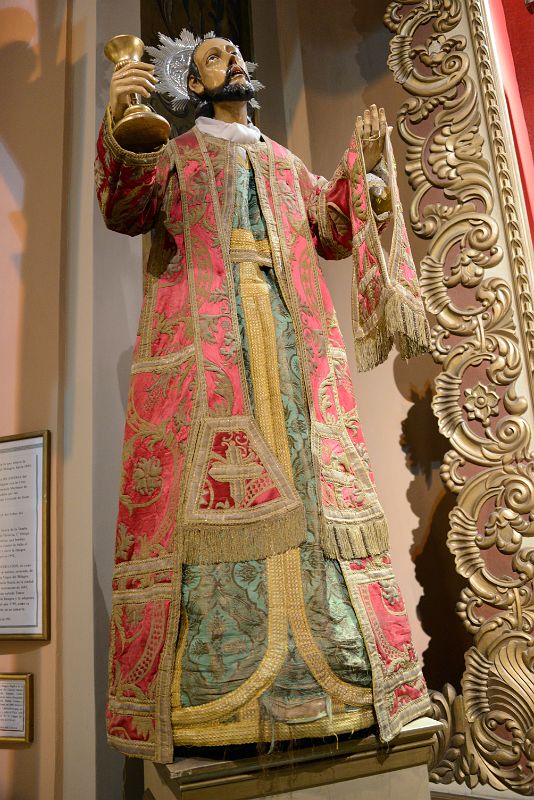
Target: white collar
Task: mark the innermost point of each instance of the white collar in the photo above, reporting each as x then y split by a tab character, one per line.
232	131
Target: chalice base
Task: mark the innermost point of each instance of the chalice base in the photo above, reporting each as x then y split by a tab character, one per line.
142	131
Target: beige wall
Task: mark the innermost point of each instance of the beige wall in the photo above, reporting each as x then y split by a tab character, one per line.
47	321
33	68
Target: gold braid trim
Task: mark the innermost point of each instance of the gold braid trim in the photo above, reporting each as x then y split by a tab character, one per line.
127	157
243	541
269	413
259	681
243	239
247	732
347	540
261	335
313	657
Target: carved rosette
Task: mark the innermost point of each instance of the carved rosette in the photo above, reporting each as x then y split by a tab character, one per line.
459	182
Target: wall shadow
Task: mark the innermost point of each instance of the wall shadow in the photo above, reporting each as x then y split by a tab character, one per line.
36	79
31	133
431	502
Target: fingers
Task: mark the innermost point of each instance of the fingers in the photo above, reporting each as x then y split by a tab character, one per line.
372	124
137	68
367	124
383	124
375	129
135	78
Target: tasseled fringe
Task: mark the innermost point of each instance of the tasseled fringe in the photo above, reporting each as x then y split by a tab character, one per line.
400	323
212	544
372	349
408	325
346	540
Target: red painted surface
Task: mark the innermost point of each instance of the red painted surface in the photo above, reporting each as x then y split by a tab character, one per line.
514	39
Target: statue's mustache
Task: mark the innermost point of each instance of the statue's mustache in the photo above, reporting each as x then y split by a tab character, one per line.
234	69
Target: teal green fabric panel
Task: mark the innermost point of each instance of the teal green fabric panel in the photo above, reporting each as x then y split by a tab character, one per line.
225	604
226	610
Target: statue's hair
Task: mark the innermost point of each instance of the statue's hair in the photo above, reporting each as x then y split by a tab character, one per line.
193	67
204	108
174	62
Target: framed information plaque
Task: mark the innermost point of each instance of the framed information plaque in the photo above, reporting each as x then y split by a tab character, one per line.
16	708
24	543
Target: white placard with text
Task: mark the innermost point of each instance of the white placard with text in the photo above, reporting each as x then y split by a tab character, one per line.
21	536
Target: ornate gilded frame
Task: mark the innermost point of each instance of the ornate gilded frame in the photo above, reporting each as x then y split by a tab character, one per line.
41	630
23	736
476	282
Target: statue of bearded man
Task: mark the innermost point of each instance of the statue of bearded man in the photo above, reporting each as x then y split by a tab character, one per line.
253	594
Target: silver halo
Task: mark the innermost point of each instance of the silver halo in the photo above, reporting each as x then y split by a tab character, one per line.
171	59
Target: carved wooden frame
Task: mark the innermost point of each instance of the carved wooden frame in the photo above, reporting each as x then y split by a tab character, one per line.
475	280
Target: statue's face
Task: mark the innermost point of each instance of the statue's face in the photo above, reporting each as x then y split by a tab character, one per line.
220	65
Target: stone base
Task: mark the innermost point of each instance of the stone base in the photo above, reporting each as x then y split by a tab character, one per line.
358	767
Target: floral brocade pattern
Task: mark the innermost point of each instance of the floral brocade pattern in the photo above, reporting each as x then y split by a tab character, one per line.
226	604
275	603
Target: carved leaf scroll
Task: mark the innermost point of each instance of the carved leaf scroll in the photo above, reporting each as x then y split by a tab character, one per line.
488	734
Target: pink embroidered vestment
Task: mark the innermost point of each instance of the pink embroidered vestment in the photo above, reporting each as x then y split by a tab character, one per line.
205	483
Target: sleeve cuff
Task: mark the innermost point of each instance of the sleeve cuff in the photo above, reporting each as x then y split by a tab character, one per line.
127	157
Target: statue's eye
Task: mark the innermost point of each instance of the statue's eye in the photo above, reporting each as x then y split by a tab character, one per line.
212	57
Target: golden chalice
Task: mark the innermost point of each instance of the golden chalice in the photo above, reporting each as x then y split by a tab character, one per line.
140	129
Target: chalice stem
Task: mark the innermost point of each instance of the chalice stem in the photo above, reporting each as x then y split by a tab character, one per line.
140	129
133	98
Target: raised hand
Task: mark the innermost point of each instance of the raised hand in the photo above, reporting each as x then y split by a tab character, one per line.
133	78
372	128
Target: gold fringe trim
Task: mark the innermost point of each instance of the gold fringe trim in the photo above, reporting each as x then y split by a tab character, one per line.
374	348
244	732
408	325
400	323
347	540
258	539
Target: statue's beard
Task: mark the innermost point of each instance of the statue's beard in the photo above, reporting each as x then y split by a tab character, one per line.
229	91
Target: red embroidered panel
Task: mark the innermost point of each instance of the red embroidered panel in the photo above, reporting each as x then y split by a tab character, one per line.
399	687
346	485
235	475
137	639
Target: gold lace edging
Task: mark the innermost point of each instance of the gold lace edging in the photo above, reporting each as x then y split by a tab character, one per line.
401	323
347	540
243	239
269	666
248	732
127	157
257	539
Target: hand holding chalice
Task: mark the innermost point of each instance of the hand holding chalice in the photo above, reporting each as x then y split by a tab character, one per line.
137	127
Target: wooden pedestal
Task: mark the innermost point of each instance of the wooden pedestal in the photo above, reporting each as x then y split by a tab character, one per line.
359	767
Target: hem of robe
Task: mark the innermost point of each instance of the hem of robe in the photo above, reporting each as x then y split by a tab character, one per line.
265	730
